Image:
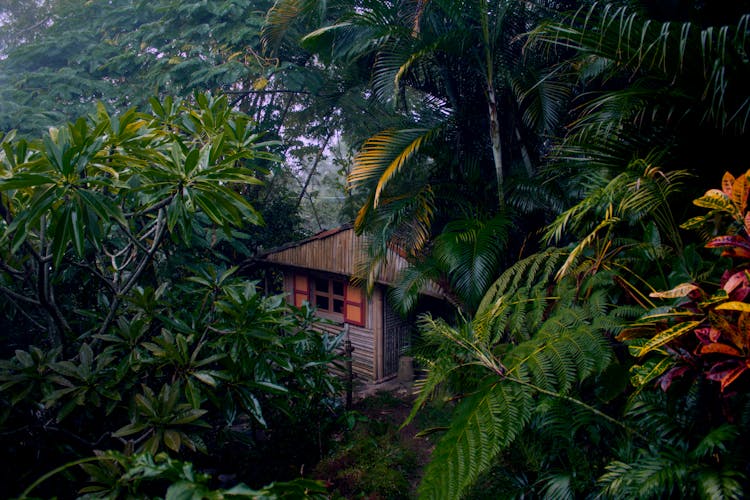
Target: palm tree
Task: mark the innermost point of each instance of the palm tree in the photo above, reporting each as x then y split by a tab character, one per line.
463	117
672	89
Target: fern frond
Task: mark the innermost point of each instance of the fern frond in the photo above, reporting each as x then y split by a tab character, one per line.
482	424
555	361
438	372
530	273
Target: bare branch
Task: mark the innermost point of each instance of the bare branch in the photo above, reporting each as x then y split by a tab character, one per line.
161	226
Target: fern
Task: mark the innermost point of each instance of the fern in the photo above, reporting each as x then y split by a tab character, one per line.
556	362
682	460
483	423
566	349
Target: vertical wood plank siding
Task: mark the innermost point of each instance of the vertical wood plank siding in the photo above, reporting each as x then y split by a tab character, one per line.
364	357
340	252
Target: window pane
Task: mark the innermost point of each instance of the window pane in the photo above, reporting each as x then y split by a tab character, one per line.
338	288
322	302
338	306
321	285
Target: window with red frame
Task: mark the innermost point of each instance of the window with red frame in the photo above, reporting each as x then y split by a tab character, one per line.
333	296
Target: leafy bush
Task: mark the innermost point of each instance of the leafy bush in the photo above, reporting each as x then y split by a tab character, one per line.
128	332
371	460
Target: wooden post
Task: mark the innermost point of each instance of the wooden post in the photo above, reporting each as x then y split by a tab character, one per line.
348	349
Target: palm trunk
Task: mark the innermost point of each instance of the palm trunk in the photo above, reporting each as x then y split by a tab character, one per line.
525	154
497	152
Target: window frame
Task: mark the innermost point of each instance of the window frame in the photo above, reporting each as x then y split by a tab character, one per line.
329	294
350	300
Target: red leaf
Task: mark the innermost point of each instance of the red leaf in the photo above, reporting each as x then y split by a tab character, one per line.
726	372
736	252
735	280
739	193
667	379
740	294
732	376
729	240
718	348
707	335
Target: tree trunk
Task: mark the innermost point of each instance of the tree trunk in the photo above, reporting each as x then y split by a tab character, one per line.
497	152
314	167
525	154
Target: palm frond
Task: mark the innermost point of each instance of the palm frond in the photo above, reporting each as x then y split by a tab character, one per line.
640	191
710	63
283	15
542	102
401	222
471	249
384	155
411	282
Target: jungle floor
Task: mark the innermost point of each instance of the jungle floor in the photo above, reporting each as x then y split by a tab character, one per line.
376	458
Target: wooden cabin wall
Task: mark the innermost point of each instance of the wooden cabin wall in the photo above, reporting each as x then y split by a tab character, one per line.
367	341
342	252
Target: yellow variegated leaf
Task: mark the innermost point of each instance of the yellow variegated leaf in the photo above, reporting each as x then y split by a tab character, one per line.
679	291
641	375
734	306
715	200
260	83
667	336
727	183
695	222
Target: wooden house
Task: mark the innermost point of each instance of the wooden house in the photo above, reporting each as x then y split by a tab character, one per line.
319	270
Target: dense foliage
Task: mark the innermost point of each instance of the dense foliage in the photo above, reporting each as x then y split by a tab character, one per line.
534	159
125	328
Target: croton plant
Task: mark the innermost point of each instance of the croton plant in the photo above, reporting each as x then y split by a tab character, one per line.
706	330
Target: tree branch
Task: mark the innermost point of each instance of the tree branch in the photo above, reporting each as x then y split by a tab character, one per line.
17	296
161	227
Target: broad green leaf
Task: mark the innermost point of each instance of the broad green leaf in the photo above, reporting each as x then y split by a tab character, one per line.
104	207
76	225
189	416
206	378
172	439
25	358
129	429
20	181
